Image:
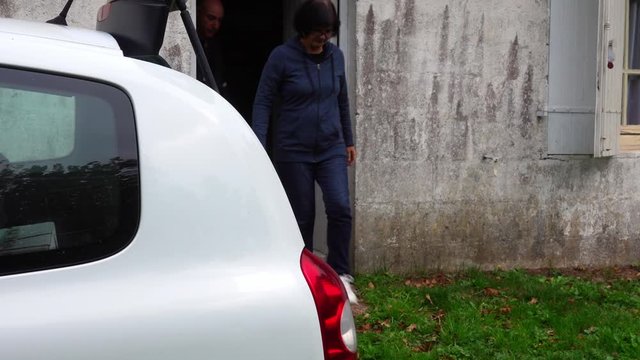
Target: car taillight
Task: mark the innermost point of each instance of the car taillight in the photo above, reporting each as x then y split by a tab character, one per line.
334	311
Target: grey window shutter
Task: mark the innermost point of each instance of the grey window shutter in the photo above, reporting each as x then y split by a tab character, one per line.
572	76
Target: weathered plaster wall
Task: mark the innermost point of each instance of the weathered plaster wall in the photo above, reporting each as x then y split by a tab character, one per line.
176	49
452	167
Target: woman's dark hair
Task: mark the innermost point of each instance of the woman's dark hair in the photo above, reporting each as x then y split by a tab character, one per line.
315	15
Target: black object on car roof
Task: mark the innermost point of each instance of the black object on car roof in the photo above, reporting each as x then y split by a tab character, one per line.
139	27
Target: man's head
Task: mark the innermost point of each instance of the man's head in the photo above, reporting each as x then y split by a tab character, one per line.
209	18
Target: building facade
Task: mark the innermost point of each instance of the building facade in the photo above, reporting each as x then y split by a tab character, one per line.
463	108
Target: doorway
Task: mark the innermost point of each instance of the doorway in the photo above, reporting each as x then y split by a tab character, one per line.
250	31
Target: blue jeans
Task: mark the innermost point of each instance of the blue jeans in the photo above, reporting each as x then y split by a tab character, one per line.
298	180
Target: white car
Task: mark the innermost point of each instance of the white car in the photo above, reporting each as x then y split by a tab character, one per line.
140	218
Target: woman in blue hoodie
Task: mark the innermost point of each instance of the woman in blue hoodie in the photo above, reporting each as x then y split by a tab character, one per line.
312	137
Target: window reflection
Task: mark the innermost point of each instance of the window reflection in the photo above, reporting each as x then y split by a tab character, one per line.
63	206
69	188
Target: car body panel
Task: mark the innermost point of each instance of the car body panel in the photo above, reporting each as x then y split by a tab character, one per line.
214	269
63	35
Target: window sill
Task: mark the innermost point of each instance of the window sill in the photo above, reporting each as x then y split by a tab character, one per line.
630	138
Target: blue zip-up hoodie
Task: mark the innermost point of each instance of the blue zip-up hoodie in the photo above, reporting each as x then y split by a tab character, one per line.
314	122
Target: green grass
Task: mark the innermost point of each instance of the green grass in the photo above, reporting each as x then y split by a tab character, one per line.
498	315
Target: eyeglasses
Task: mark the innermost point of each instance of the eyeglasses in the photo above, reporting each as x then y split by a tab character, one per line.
326	32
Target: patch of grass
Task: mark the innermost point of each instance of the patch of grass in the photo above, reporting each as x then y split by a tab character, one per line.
499	315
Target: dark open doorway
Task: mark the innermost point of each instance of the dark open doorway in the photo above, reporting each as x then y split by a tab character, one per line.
250	30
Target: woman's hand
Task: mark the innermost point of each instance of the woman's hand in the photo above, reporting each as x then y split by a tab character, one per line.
351	155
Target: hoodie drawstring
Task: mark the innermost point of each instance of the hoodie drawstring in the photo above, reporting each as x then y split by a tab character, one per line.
333	75
306	70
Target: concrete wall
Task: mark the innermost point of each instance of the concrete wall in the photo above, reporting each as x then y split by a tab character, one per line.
453	168
176	49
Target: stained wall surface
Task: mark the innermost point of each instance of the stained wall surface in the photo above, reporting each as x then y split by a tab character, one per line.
453	169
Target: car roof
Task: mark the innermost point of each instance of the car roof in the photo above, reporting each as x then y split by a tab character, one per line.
63	34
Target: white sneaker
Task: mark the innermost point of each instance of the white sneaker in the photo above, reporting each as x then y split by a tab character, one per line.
347	281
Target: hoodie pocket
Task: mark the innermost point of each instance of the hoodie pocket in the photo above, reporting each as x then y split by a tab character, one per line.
295	133
331	130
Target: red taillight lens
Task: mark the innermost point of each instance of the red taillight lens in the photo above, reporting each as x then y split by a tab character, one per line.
334	310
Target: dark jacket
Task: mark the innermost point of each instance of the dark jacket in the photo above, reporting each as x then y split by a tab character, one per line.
313	122
213	52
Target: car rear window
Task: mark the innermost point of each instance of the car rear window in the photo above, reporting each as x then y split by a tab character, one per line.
69	183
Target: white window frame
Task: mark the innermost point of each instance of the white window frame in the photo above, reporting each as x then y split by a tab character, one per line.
629	134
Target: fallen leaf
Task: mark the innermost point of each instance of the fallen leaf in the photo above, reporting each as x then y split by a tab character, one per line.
426	346
371	286
485	311
411	327
491	292
440	279
386	323
438	315
533	301
505	310
428	299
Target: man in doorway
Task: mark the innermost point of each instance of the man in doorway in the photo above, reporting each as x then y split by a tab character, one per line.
209	15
